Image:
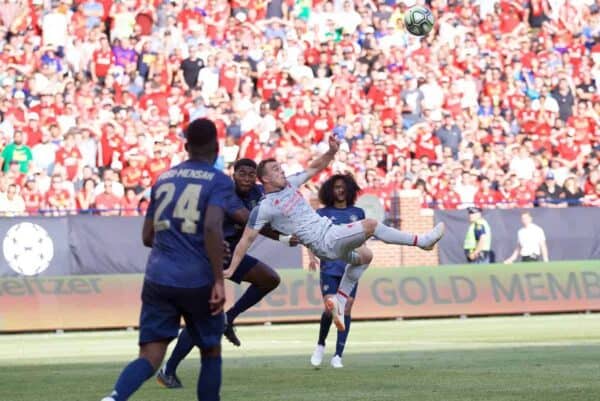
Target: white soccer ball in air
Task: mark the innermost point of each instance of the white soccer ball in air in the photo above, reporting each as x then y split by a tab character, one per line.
28	249
418	20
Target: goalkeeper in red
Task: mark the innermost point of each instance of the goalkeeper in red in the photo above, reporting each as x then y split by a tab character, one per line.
286	210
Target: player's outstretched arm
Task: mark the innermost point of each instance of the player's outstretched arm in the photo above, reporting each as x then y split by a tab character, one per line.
241	216
323	161
269	232
240	250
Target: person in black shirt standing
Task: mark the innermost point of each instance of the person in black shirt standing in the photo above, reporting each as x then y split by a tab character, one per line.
190	68
564	96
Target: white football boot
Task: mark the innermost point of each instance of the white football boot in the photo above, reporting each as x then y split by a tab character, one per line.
317	356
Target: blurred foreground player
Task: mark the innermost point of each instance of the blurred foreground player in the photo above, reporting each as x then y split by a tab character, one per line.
338	195
286	210
261	277
184	273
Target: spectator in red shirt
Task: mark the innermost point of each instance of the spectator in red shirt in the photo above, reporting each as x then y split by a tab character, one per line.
85	197
32	197
59	200
107	203
487	197
130	202
69	157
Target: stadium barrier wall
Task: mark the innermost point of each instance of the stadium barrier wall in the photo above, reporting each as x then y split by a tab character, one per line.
75	245
112	301
571	233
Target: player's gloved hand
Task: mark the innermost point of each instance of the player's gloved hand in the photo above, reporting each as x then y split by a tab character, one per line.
217	297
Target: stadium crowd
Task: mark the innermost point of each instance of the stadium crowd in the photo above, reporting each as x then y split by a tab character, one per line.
498	107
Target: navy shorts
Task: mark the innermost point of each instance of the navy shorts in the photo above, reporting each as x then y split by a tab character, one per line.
247	263
330	285
164	306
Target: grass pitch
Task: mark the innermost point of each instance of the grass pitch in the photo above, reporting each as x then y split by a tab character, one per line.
511	358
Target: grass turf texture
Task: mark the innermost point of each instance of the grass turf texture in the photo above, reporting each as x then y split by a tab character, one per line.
507	358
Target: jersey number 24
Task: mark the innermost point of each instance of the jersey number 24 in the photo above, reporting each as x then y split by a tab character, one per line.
186	207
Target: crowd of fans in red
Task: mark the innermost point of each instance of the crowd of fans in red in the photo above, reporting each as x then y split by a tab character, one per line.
498	107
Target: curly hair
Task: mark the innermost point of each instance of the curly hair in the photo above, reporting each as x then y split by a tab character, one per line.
327	196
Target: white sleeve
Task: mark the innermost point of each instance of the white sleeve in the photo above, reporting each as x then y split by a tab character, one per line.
259	217
298	179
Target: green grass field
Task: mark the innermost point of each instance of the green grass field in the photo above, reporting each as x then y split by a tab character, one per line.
510	358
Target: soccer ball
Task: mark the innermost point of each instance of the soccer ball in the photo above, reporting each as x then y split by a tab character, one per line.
418	20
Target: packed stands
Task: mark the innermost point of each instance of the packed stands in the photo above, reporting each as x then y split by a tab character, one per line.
499	107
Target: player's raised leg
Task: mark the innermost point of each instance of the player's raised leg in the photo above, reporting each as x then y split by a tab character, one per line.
262	279
359	262
390	235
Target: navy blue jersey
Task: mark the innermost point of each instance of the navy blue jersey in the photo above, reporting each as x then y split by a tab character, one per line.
233	230
339	216
178	207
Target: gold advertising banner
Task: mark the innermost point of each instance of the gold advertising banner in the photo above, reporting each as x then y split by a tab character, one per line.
111	301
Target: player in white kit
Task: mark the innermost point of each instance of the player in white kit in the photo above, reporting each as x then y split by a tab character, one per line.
286	210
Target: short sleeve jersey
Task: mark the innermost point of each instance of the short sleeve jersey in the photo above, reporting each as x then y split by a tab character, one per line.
178	205
288	212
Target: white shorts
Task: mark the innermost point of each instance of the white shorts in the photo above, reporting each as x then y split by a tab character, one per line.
339	241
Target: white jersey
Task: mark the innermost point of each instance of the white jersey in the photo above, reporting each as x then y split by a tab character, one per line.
530	240
289	213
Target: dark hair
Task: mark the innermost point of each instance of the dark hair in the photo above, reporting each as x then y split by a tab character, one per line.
261	170
201	132
244	163
326	194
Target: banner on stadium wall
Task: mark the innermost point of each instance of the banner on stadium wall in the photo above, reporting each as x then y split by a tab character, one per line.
571	233
88	245
109	301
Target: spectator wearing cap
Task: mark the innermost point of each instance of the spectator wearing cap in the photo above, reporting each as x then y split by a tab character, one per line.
531	242
478	240
549	193
17	152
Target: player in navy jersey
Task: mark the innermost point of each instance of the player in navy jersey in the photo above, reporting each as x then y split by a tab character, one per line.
261	277
184	272
338	195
